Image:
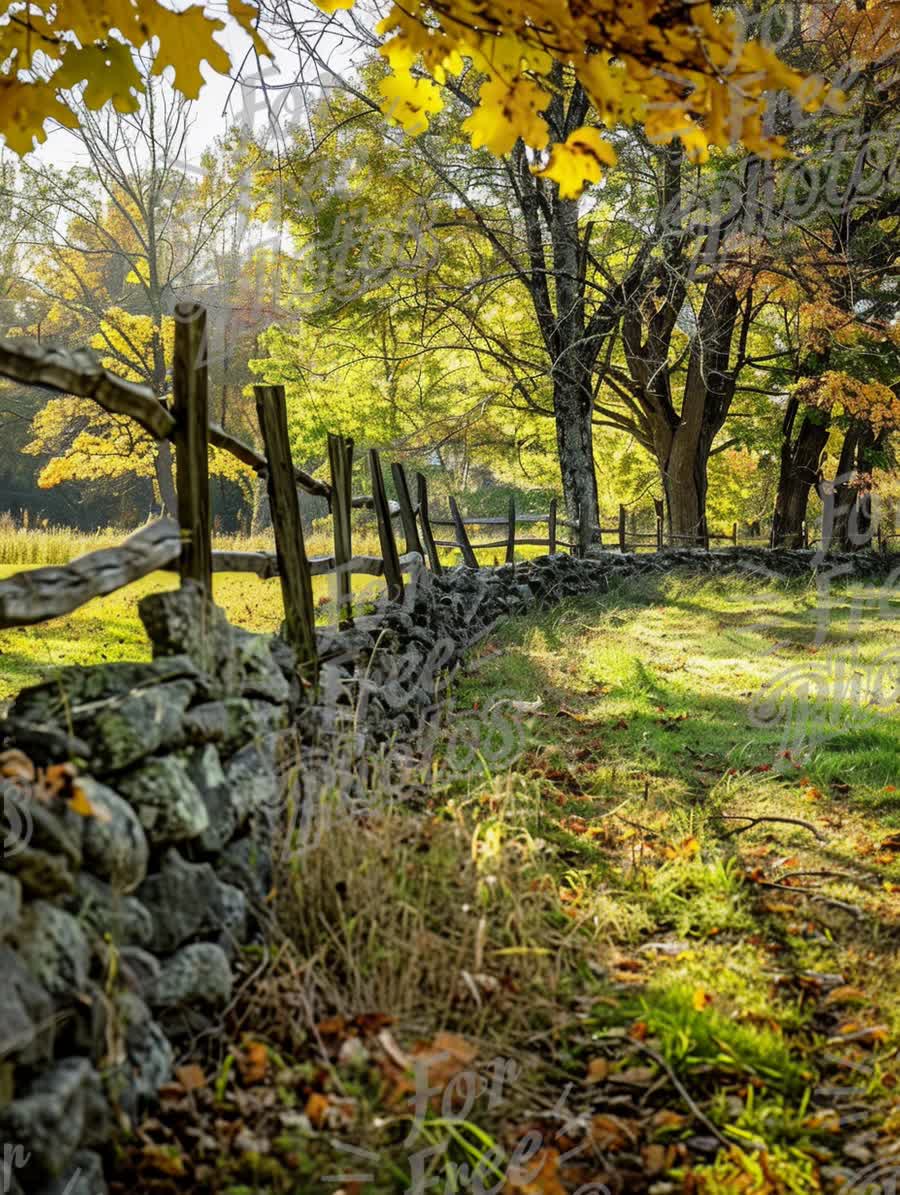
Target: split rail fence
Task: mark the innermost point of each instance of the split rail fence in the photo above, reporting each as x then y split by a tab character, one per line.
185	544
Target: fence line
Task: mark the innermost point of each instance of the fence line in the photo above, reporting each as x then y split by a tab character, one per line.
185	545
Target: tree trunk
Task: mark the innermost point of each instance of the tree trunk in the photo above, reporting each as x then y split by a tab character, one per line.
574	438
165	479
799	473
684	478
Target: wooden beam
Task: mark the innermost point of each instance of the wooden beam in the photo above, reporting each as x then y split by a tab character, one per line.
80	373
293	566
43	593
340	456
228	443
422	493
462	539
552	522
407	514
623	545
511	532
392	573
190	408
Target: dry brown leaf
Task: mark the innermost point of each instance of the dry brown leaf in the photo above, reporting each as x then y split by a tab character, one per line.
846	995
317	1109
253	1063
612	1132
190	1077
598	1069
539	1176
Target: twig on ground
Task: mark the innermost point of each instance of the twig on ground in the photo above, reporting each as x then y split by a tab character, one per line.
756	821
696	1111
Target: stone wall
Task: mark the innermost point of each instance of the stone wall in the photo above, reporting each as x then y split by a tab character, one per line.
118	929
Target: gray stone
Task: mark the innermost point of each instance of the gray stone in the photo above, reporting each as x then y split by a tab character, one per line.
183	622
107	912
235	919
83	1176
27	1026
54	829
50	1119
54	948
206	723
10	904
250	719
166	800
197	974
139	968
43	743
67	696
205	770
83	1033
114	845
39	873
133	727
258	674
252	781
184	900
149	1054
247	864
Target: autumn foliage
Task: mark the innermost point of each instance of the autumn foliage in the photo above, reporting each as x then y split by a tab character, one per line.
676	68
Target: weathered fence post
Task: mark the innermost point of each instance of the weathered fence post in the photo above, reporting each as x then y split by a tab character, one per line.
190	410
660	540
734	530
622	533
340	457
407	514
804	532
552	524
511	532
392	573
293	565
465	545
430	546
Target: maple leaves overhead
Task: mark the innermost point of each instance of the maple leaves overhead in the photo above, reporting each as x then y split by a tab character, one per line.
673	66
56	46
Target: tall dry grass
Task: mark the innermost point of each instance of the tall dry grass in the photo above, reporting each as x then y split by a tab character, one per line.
25	546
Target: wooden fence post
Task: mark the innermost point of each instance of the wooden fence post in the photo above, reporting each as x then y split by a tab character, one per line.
804	532
660	539
552	532
191	411
431	547
293	565
465	545
623	545
511	532
407	514
340	457
734	530
392	573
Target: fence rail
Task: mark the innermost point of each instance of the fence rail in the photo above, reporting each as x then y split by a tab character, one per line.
185	544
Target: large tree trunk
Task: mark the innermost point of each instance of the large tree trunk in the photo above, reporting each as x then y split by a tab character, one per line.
799	472
847	518
574	438
684	478
165	480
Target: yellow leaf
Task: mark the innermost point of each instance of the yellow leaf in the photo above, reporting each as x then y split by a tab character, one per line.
701	999
579	160
79	803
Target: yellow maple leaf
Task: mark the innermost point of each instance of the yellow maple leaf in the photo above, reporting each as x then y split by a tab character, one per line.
580	159
410	102
507	112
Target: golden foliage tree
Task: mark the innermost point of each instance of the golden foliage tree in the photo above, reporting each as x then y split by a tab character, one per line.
49	49
677	68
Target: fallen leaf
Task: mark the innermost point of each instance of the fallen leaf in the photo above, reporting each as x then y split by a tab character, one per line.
253	1063
317	1109
612	1132
845	994
15	765
190	1077
539	1176
701	999
598	1069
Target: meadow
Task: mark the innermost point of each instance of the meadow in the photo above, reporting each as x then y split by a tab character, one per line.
653	873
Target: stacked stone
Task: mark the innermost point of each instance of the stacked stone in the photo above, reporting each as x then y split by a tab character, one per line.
118	932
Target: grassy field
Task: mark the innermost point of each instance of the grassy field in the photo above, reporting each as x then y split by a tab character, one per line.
675	995
109	629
